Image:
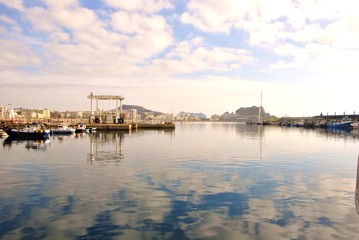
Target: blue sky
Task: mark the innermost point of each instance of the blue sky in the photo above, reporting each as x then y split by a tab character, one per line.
197	56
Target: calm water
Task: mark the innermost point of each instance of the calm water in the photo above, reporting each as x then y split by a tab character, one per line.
199	181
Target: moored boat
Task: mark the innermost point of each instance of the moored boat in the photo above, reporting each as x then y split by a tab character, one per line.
355	125
29	132
81	128
3	133
90	129
62	129
341	124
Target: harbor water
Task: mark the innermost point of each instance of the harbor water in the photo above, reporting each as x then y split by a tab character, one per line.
197	181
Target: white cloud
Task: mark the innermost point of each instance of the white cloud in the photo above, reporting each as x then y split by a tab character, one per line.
213	16
7	20
146	6
15	52
80	41
277	24
61	4
151	33
192	56
16	55
16	4
67	18
132	43
137	23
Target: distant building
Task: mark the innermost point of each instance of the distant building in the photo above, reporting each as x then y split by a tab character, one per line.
182	116
3	112
133	115
73	114
215	117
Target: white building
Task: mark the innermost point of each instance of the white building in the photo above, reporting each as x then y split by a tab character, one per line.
133	115
7	113
3	112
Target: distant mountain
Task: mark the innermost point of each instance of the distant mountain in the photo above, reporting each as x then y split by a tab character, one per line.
199	115
245	114
141	110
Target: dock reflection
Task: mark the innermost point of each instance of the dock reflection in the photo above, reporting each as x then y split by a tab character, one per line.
106	147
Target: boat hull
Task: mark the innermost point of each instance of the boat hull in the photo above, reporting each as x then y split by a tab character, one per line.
80	130
16	134
62	131
340	125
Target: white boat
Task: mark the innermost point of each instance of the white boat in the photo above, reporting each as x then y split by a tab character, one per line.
62	129
3	133
355	125
81	128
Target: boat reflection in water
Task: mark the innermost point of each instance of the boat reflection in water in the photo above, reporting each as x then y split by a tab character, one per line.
101	151
39	144
346	134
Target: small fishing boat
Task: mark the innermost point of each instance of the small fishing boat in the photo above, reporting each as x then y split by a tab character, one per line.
29	132
81	128
3	133
62	129
355	125
341	124
90	129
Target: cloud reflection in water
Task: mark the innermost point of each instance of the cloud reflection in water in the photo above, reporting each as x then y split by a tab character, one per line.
241	186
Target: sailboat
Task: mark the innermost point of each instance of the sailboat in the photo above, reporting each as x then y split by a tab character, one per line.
261	112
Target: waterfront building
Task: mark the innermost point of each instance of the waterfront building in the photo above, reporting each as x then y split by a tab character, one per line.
2	112
215	117
182	116
133	115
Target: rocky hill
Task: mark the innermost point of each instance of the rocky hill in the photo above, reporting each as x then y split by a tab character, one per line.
141	110
244	114
199	115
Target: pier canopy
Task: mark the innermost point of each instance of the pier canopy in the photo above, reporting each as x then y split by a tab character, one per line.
99	114
105	97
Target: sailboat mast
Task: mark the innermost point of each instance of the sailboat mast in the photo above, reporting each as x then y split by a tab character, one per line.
260	111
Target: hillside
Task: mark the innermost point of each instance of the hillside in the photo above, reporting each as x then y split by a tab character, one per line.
141	110
244	114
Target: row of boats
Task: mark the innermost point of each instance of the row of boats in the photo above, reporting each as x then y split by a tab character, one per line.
343	124
34	131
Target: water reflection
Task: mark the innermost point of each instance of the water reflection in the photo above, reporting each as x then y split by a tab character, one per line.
29	144
202	183
340	133
100	150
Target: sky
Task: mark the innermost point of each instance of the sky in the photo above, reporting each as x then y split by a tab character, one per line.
186	55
